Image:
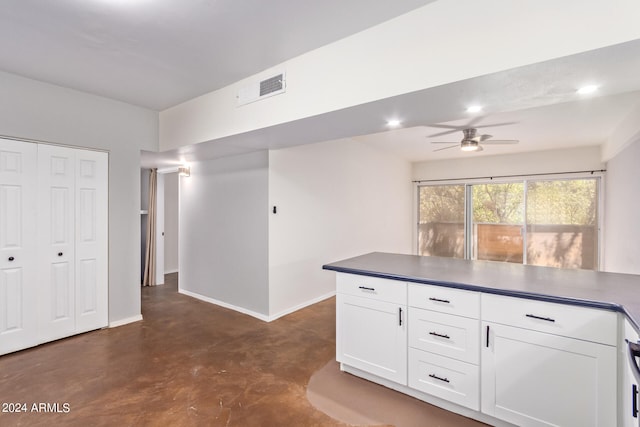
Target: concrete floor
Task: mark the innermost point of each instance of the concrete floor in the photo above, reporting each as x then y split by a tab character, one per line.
187	363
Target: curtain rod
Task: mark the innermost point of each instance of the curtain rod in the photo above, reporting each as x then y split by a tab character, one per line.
509	176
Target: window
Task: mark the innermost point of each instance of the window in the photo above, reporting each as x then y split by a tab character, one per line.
441	223
498	217
562	225
539	222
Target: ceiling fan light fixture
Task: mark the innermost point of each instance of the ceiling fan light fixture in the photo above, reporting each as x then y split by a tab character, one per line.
469	146
474	109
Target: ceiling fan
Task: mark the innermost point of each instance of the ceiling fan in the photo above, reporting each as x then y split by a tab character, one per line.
471	141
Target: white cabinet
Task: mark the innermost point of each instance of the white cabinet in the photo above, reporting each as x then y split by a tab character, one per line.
444	341
56	285
371	328
498	359
630	378
531	377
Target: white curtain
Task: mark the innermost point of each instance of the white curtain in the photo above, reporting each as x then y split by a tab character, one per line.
150	253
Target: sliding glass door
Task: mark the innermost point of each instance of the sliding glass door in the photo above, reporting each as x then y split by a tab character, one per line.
540	222
498	221
441	220
562	223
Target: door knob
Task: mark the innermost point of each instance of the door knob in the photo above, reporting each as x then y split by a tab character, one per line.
60	254
11	258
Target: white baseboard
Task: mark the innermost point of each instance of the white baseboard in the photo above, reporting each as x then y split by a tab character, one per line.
224	304
125	321
301	306
171	271
251	313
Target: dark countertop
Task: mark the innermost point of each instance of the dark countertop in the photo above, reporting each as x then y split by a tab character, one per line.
610	291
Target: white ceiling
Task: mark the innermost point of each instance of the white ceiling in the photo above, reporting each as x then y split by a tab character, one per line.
539	101
586	122
158	53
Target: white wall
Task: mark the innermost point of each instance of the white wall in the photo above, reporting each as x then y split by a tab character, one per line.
622	204
171	182
552	161
223	248
625	133
334	200
431	46
35	110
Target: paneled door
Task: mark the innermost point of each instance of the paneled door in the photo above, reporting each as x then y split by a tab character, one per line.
56	219
18	259
91	273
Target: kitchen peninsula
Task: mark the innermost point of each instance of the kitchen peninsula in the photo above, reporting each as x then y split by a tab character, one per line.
498	342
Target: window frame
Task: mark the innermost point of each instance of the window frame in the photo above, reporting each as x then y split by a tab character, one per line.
468	183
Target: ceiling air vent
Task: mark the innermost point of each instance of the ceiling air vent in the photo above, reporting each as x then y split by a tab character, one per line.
260	90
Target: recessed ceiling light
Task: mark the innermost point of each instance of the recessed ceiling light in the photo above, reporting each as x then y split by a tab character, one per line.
474	109
585	90
393	123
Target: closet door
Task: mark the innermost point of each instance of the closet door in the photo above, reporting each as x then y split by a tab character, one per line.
91	309
56	219
18	260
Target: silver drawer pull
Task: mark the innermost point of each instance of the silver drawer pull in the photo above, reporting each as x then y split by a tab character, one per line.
438	378
439	335
533	316
366	289
440	300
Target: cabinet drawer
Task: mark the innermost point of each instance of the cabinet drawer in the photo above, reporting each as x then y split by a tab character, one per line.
583	323
445	300
445	334
448	379
394	291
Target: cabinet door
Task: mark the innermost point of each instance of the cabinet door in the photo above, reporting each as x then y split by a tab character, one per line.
56	270
18	254
371	335
532	378
91	288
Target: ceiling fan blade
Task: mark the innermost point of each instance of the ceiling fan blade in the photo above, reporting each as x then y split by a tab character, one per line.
444	142
496	124
472	123
448	132
501	141
482	138
446	148
437	125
